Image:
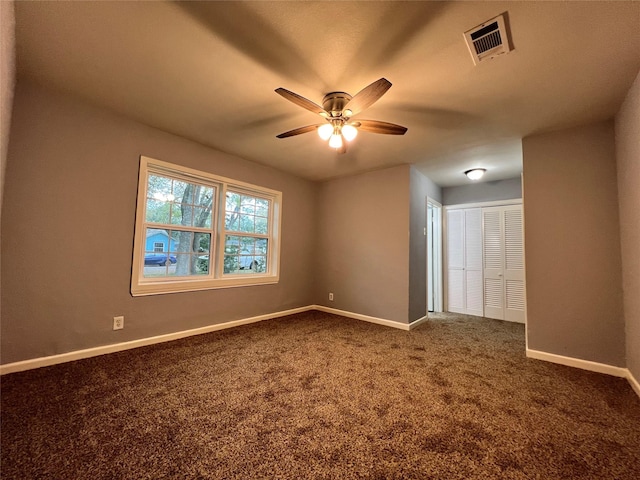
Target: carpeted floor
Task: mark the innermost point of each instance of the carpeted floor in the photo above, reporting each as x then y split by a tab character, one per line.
320	396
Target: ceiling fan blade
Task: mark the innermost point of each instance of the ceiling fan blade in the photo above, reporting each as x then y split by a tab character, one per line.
298	131
301	101
367	96
376	126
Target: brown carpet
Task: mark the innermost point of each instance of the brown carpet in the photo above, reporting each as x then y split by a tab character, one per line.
320	396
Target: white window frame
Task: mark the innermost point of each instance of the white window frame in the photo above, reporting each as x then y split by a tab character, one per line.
215	278
157	245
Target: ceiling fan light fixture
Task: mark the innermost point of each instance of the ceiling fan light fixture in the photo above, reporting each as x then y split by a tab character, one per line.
350	132
475	173
325	131
335	141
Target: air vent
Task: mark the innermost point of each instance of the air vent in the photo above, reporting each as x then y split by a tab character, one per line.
488	40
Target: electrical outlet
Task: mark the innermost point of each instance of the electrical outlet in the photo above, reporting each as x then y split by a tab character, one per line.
331	297
118	323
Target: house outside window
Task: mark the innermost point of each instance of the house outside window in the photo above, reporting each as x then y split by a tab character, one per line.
197	231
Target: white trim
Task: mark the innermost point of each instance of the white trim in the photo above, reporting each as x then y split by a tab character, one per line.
634	383
578	363
366	318
118	347
417	322
437	235
494	203
214	279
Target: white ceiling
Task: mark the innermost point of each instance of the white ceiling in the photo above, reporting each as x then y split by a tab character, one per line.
208	70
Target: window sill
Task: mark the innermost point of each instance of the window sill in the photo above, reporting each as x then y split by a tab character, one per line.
190	285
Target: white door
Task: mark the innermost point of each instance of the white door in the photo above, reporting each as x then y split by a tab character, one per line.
473	261
455	261
503	255
434	256
430	265
514	285
464	261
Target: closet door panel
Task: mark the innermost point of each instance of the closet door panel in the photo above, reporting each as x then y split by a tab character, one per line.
514	265
473	261
455	289
455	261
493	256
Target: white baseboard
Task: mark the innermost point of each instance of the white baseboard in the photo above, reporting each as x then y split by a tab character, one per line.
578	363
118	347
633	382
359	316
587	365
417	322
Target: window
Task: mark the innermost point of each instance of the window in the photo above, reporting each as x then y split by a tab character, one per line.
198	231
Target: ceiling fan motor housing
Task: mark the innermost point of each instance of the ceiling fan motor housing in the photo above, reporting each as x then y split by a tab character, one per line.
335	102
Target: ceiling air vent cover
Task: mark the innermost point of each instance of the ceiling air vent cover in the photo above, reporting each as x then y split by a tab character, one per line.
488	39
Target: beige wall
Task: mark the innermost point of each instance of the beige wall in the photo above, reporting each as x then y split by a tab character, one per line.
68	223
574	284
483	192
7	83
363	244
627	127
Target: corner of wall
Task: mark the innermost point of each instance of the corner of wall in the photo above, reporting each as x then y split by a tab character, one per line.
7	82
627	133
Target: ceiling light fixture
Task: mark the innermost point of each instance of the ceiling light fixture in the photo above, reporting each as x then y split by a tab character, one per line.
337	109
325	131
336	132
349	132
336	140
475	173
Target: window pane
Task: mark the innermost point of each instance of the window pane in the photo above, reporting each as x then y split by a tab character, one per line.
179	190
232	245
202	242
247	214
181	214
202	217
262	207
260	264
261	225
202	265
190	253
233	202
247	224
247	205
157	211
261	246
231	220
231	264
245	255
159	188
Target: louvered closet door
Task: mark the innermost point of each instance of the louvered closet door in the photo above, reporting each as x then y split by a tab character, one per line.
503	254
464	261
455	261
514	264
473	261
493	253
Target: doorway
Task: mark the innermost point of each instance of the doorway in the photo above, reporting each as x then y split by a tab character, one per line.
434	256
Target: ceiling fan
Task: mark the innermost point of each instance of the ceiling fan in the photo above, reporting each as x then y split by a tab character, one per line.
338	108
